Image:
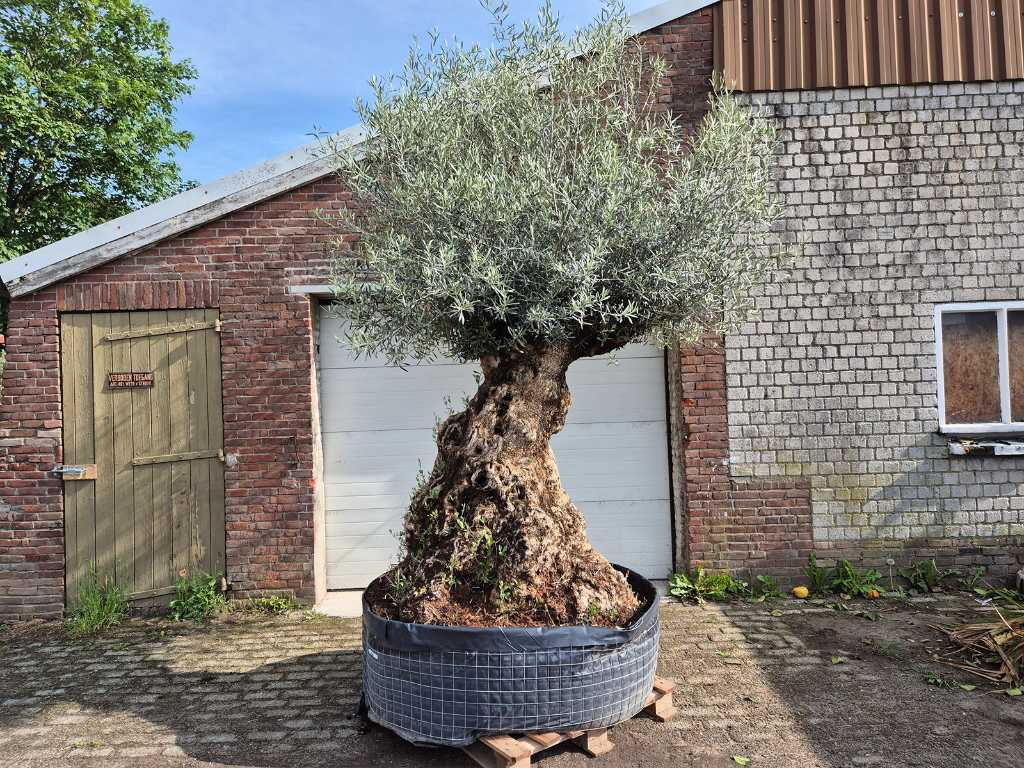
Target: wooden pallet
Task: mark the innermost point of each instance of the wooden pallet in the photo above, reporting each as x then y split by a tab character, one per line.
512	752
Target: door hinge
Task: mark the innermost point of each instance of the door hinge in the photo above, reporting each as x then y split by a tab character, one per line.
145	461
163	330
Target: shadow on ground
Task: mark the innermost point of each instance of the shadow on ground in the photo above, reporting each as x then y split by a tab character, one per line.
786	685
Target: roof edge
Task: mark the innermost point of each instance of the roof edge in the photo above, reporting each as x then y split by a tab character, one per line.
189	209
656	15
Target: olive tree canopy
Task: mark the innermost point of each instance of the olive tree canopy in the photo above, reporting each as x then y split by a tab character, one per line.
528	205
539	190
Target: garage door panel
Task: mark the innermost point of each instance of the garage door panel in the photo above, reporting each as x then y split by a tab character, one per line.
624	532
633	390
369	456
415	397
378	432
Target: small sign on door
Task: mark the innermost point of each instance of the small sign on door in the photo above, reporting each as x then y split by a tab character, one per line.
129	380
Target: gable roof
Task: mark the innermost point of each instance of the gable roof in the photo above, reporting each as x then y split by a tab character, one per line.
137	230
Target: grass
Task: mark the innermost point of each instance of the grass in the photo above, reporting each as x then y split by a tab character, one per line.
272	605
101	605
197	598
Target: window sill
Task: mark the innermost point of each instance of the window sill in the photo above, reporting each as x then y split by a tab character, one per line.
990	447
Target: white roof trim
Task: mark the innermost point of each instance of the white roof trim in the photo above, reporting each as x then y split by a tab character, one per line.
662	13
188	210
159	221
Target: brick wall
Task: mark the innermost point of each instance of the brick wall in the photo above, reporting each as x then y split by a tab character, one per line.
728	523
903	197
242	265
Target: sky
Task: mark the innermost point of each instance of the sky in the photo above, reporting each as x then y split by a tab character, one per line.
272	71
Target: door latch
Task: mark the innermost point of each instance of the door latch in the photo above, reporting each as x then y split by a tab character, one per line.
75	472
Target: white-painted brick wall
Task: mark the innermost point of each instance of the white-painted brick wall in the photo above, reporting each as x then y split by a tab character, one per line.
901	198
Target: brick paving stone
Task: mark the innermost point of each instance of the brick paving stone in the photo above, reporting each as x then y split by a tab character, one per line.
281	692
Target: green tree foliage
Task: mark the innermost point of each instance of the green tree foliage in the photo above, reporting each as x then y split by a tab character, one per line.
87	97
537	192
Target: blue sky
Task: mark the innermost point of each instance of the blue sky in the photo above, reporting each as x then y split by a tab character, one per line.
272	70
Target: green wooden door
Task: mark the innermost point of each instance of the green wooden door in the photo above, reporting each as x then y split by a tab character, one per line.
143	448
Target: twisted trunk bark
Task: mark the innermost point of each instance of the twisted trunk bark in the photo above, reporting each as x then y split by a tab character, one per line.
491	537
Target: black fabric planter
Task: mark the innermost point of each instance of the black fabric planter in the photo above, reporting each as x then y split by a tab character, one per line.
451	685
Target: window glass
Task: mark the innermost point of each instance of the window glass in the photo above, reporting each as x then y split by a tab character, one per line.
1015	339
970	361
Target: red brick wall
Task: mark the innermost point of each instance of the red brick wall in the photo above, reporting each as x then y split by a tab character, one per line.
242	265
749	526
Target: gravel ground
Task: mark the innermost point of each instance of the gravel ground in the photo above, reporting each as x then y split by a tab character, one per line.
785	685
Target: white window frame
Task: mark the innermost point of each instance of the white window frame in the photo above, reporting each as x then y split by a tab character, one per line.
1000	308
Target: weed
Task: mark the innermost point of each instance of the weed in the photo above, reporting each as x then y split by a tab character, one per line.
102	604
925	576
396	586
820	578
933	678
707	585
888	648
847	580
268	604
1009	599
766	588
974	580
197	598
4	628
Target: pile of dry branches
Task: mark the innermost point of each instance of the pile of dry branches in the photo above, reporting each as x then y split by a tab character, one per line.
992	650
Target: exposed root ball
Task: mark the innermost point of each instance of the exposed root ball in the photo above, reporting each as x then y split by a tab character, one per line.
491	538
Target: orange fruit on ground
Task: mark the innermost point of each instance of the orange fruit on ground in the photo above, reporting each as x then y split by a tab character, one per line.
874	594
801	592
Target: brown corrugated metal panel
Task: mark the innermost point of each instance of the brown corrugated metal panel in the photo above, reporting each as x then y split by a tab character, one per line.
770	45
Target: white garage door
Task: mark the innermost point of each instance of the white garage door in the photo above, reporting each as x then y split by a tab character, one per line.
377	423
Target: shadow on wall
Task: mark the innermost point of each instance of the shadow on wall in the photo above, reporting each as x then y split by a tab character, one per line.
924	503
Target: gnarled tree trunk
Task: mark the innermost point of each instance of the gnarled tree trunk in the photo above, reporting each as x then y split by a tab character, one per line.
491	537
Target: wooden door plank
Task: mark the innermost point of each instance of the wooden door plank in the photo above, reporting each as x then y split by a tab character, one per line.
182	545
163	522
199	440
124	493
216	426
142	445
85	447
72	565
104	432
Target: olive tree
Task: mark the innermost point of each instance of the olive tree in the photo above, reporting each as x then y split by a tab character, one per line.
528	205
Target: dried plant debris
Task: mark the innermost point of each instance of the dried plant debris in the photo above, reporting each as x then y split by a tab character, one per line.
991	650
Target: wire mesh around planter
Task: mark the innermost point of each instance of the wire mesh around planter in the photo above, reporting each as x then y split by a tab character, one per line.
451	685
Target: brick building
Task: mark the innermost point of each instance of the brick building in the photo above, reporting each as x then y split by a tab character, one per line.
180	367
